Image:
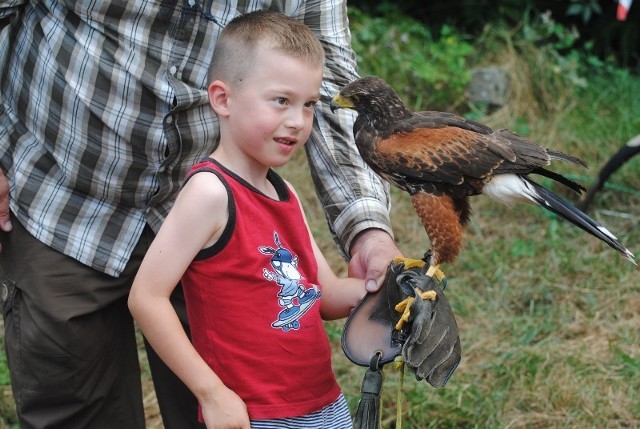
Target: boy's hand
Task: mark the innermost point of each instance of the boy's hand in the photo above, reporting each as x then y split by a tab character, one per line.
371	253
226	411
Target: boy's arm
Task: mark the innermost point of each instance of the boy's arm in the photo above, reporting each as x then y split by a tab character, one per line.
340	295
195	221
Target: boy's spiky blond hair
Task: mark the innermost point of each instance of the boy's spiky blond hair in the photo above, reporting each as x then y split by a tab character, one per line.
245	35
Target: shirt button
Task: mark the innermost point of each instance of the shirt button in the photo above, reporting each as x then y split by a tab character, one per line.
192	3
169	119
173	70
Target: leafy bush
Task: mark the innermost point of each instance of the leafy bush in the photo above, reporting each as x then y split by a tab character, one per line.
595	20
428	72
544	65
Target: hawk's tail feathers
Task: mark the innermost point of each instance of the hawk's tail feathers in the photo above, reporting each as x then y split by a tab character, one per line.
574	186
554	154
562	208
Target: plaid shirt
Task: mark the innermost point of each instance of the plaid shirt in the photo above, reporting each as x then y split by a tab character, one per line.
104	109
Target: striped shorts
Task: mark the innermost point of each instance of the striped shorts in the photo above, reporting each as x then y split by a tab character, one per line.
333	416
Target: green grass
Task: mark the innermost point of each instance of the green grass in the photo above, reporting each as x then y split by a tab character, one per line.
7	406
549	317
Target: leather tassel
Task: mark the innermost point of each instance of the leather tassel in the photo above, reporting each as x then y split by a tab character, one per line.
368	412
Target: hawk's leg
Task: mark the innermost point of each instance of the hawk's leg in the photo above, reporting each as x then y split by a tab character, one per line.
443	219
408	262
434	271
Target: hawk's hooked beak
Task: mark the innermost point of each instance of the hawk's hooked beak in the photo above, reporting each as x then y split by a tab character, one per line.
340	102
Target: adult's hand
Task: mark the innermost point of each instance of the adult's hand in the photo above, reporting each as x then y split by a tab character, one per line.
5	217
371	253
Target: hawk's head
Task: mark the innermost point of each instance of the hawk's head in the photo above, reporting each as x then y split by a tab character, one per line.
373	98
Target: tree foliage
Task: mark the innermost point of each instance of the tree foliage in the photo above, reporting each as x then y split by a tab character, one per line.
593	20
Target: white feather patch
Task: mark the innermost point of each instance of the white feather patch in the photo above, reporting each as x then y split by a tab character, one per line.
509	189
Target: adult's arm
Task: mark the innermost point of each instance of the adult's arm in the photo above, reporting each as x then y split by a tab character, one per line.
355	200
5	219
353	197
8	11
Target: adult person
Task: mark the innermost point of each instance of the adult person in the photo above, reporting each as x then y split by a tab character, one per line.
103	110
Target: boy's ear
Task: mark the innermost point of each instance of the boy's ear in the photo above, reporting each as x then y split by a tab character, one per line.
219	98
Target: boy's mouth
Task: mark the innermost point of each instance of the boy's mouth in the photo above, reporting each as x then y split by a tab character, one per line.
285	141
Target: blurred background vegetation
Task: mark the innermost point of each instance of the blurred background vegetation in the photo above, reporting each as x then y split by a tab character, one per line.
594	20
549	317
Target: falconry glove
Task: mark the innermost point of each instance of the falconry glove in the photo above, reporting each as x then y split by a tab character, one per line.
432	347
408	316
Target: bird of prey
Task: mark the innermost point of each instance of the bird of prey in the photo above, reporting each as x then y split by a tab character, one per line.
442	159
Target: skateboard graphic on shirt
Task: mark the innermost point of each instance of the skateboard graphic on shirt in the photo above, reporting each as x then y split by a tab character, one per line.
287	322
294	298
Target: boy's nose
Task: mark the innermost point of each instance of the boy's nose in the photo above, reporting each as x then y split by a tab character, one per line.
296	118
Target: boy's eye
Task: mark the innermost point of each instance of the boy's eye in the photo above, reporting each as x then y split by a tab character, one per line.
281	101
310	104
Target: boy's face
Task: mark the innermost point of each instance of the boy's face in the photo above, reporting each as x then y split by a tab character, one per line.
271	113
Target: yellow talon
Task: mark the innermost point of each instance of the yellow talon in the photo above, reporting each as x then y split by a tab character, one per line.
408	262
404	305
435	271
428	294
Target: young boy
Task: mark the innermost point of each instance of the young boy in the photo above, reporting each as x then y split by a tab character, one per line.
256	284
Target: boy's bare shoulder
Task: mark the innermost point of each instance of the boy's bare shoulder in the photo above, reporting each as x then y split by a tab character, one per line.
207	187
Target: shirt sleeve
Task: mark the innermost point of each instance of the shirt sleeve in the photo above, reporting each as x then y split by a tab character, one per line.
354	198
8	11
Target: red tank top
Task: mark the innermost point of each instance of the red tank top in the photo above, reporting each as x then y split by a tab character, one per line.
253	303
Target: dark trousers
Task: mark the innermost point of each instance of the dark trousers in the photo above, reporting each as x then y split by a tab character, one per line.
71	344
